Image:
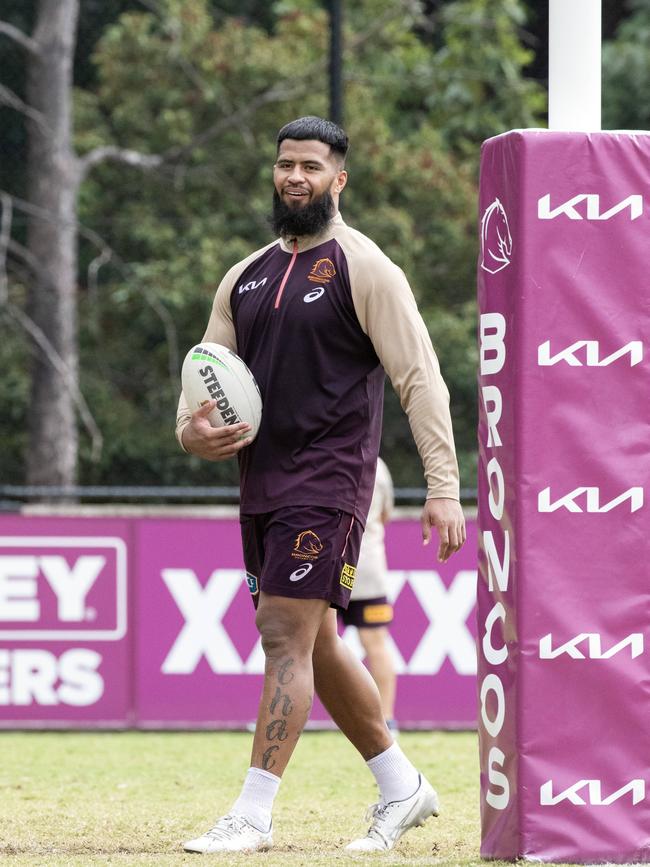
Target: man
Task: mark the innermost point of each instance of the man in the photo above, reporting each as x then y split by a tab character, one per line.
369	610
318	315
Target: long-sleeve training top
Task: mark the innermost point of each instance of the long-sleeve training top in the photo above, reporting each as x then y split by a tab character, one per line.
318	319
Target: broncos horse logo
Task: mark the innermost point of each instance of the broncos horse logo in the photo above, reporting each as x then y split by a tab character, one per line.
496	240
307	545
322	271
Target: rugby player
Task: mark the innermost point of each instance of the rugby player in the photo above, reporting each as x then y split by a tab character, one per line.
319	315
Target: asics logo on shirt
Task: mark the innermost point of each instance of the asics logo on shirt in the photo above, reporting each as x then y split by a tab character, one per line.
314	295
252	284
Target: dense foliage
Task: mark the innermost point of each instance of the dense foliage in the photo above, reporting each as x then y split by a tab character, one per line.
208	85
626	72
414	112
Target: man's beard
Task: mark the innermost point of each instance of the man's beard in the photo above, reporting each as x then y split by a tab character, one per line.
308	220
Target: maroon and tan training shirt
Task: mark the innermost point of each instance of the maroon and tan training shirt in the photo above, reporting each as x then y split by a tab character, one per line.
318	320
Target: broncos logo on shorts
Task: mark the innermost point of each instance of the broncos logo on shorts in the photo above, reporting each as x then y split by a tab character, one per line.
307	546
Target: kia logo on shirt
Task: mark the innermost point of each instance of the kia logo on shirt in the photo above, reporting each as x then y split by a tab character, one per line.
252	284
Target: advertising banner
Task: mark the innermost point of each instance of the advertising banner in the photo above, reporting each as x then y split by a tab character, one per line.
199	657
64	622
564	589
155	616
198	654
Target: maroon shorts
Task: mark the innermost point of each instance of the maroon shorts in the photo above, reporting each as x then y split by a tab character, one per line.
368	613
305	552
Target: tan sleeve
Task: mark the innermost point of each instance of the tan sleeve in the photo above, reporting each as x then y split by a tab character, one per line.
388	314
220	330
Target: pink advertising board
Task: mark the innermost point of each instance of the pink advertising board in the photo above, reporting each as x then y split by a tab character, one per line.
164	602
564	437
65	622
199	659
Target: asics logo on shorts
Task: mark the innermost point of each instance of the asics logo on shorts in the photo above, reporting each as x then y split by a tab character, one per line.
300	573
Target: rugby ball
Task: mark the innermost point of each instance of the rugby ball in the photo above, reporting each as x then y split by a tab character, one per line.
213	372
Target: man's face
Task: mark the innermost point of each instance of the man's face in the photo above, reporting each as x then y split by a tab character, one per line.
305	171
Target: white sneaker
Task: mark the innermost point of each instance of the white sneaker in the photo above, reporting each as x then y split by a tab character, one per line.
390	821
231	834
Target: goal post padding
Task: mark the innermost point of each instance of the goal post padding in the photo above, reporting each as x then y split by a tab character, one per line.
564	464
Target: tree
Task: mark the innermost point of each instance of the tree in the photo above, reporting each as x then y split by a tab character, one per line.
478	87
203	93
187	226
626	72
50	251
54	177
55	173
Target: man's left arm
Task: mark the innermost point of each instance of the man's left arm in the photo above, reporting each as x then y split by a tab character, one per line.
389	315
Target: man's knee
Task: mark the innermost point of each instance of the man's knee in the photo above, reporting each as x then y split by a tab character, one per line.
275	630
288	625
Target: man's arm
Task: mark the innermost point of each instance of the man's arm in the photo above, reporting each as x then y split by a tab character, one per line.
194	432
388	314
191	430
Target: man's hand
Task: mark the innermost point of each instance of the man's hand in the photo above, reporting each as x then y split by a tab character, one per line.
213	443
448	519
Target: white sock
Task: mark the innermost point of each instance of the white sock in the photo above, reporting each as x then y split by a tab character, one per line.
396	777
256	799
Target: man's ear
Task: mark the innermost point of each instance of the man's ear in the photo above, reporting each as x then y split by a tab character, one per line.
341	181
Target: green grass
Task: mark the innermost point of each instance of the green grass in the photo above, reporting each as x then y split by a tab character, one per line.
132	798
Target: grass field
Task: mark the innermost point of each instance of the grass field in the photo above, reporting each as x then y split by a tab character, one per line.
132	798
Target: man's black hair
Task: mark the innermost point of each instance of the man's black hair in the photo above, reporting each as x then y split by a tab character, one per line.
317	128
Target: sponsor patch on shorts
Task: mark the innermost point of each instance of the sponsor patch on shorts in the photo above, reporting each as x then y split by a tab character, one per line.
377	613
253	584
347	575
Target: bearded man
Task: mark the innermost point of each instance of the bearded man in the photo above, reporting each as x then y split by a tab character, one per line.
319	316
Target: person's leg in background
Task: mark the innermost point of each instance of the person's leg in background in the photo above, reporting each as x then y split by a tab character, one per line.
380	662
372	617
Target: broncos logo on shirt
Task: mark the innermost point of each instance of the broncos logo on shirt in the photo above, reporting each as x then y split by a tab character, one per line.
322	271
